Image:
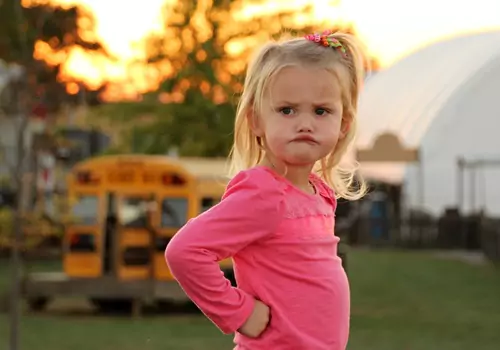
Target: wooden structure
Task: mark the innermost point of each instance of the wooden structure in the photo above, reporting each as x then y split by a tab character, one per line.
387	148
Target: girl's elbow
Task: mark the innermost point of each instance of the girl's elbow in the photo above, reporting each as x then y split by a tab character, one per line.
175	254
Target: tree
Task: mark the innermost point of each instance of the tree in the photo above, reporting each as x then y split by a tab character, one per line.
34	90
46	28
193	108
202	52
34	42
43	28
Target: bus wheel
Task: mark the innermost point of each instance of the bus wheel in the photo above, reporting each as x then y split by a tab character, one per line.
166	305
177	307
37	304
112	305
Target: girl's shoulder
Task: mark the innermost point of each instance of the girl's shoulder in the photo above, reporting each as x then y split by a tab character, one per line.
257	180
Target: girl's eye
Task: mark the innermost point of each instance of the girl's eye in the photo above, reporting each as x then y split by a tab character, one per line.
286	111
321	111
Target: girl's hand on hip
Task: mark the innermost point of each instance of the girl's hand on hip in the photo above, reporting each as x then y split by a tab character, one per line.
257	322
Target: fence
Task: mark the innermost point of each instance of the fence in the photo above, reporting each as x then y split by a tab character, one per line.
490	239
420	231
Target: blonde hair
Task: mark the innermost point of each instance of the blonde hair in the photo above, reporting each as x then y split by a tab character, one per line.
270	59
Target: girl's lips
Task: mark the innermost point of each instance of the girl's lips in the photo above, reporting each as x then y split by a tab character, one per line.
305	138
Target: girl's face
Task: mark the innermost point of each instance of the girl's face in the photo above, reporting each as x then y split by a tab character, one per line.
301	117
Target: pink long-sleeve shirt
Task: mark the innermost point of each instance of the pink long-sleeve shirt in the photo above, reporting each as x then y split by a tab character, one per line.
284	251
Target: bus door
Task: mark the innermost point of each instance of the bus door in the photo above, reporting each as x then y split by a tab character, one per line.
134	236
171	214
82	244
110	231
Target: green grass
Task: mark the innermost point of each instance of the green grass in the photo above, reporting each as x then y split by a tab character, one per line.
400	301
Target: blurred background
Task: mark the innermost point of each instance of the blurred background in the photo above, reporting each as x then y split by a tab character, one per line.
115	121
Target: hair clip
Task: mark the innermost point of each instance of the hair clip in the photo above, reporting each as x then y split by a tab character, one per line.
327	40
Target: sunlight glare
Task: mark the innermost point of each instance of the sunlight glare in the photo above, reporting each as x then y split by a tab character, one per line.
391	28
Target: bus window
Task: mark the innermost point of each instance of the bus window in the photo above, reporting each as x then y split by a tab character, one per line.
86	210
207	203
174	212
133	212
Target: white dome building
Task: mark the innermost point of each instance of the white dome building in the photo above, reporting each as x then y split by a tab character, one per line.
445	101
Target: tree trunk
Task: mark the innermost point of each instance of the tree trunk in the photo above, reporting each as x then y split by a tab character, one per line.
17	241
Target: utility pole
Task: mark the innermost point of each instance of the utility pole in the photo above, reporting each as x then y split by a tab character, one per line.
22	122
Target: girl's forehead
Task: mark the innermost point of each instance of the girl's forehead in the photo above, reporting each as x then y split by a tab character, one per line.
297	83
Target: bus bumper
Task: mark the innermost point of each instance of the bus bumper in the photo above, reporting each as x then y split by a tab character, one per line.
56	284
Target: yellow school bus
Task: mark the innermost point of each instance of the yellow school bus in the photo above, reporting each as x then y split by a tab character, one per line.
125	210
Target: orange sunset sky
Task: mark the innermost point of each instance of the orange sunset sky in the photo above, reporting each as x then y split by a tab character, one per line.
390	28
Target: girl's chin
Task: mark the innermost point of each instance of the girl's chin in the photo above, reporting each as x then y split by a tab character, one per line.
300	160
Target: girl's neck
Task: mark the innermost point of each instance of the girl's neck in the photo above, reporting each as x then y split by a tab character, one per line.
297	175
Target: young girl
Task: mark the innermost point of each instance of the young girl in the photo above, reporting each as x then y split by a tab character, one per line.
295	119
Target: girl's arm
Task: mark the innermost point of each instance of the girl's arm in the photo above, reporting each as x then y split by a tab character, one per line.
249	211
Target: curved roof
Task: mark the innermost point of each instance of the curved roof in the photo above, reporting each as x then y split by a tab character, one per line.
406	97
444	100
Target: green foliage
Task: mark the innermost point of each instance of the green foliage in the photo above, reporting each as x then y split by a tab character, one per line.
4	179
205	75
58	28
37	224
53	25
127	111
204	80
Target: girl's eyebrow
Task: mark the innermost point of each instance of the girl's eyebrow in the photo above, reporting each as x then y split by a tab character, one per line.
324	103
286	103
316	103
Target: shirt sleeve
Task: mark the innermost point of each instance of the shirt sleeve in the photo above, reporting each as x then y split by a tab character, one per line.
250	210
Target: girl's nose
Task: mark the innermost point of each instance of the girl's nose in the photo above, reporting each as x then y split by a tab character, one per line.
305	129
305	124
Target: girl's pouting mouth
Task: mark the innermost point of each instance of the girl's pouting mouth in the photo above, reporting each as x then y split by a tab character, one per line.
306	139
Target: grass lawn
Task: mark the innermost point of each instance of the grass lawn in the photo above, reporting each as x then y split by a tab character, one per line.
400	301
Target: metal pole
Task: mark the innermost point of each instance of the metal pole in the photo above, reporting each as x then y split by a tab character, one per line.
16	261
472	189
421	184
421	197
460	183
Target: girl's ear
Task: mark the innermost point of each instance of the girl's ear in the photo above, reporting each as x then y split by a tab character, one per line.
254	123
345	126
344	129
